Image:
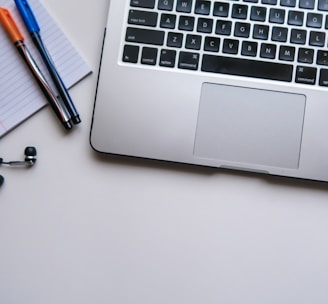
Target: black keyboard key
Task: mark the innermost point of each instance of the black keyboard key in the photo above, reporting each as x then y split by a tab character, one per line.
186	23
174	40
223	27
144	36
204	25
286	53
230	46
306	75
166	5
289	3
248	68
168	21
305	55
239	11
268	51
279	34
258	13
317	38
298	36
322	57
212	44
242	29
130	53
221	9
167	58
261	32
188	61
323	80
143	3
314	20
142	18
307	4
193	42
184	6
323	5
270	2
249	48
203	7
295	18
277	16
149	56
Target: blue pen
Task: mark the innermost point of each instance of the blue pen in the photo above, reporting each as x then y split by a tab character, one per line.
34	30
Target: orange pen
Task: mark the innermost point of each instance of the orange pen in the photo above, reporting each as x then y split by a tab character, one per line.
18	39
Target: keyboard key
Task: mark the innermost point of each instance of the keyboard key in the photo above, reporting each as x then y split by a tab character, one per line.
230	46
193	42
203	7
298	36
271	2
289	3
307	4
261	32
221	9
305	55
258	13
268	51
174	40
188	61
277	16
306	75
242	29
186	23
323	5
323	81
130	53
204	25
317	38
322	57
167	58
249	48
248	68
143	3
239	11
212	44
168	21
149	56
223	27
314	20
142	18
279	34
184	6
144	36
287	53
166	5
295	18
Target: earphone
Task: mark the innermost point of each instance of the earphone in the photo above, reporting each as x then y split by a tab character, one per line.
29	161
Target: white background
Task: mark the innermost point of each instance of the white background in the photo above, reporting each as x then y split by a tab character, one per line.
84	228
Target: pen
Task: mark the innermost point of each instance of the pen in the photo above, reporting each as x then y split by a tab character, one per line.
34	30
16	36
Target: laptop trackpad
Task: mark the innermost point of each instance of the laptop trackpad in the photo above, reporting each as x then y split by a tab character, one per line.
249	126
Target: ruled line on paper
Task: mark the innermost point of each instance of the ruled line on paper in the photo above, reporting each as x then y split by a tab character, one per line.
20	97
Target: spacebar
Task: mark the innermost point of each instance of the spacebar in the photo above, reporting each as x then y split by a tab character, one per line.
248	68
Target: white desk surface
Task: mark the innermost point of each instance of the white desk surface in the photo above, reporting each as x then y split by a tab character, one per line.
79	228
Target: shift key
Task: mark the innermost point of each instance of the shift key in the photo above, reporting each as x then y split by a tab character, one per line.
144	36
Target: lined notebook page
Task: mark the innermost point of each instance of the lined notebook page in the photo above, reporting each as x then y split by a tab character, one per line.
20	96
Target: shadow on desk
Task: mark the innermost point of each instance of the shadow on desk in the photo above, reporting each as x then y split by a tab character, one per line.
208	171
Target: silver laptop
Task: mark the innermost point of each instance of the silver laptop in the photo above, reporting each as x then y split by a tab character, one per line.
229	84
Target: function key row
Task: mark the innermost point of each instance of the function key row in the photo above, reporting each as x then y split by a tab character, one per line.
204	6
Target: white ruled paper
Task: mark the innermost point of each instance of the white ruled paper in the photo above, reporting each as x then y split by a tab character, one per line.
20	96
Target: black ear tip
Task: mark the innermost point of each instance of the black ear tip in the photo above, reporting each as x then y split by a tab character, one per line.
30	151
1	180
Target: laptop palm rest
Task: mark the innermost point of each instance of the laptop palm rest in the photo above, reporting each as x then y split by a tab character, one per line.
249	126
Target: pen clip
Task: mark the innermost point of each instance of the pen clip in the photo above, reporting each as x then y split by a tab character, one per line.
10	25
27	15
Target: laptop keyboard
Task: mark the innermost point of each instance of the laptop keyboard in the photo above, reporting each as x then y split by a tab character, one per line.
283	40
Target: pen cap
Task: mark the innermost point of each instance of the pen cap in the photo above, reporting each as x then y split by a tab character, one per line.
10	25
27	14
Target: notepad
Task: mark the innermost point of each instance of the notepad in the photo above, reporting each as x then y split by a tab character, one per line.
20	96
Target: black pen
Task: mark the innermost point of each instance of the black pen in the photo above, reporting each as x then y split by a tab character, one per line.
34	30
16	36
